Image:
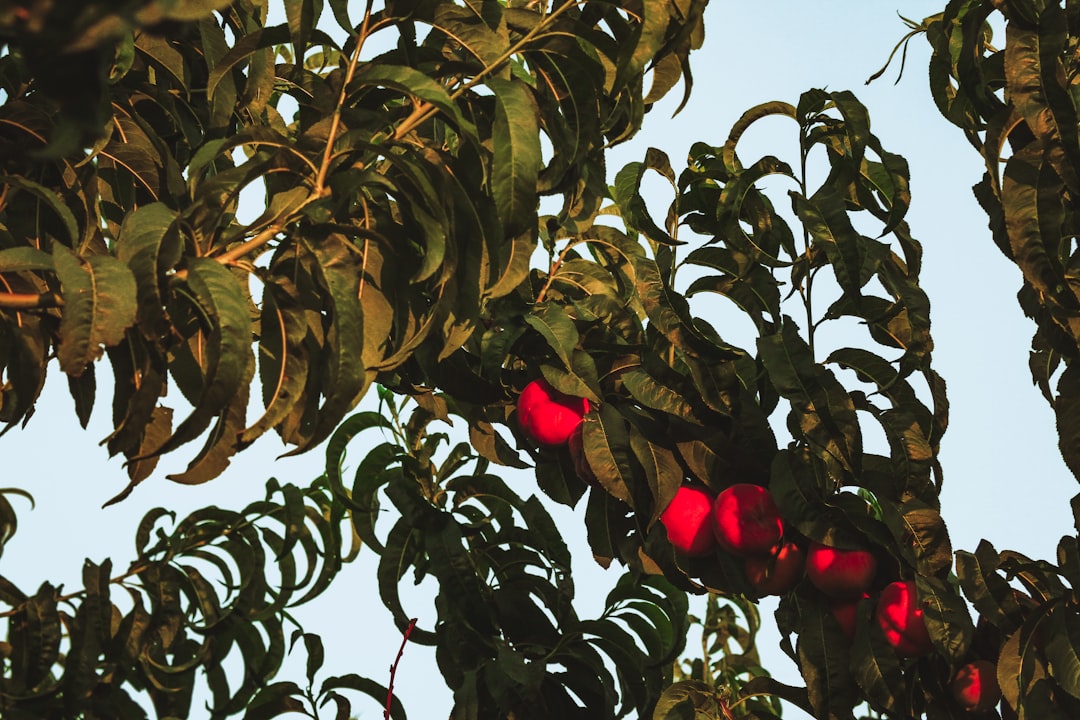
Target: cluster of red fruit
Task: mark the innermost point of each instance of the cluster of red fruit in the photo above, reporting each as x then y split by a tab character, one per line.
745	521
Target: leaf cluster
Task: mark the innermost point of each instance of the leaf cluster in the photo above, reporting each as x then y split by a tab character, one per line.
396	177
214	585
1017	106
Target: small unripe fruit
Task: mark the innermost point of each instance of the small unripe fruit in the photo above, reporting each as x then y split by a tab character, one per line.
901	619
746	520
777	574
841	574
686	519
547	415
975	687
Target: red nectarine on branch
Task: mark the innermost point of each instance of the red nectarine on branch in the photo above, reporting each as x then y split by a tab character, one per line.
901	619
687	519
547	415
975	686
746	520
777	574
839	573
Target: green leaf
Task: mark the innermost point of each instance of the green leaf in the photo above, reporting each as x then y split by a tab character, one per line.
51	201
35	637
1037	91
651	393
874	664
345	379
516	159
274	700
662	471
920	535
149	243
852	257
284	360
1030	192
343	435
221	305
514	269
745	121
875	369
824	410
416	84
370	688
1067	412
21	259
99	305
606	442
159	10
823	661
626	191
946	617
246	46
224	439
83	388
688	700
552	322
1062	640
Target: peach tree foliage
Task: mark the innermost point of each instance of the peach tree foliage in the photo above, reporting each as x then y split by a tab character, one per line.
402	171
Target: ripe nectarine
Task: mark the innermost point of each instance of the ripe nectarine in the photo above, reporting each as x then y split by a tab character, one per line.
746	520
777	574
901	618
547	415
841	574
975	686
686	519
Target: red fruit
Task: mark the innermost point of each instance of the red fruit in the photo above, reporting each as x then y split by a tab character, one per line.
746	521
901	619
547	415
840	574
975	687
846	612
687	521
777	574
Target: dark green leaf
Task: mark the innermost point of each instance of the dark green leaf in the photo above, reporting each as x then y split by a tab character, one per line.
99	305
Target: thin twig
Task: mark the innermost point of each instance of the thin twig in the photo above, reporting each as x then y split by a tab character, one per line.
393	668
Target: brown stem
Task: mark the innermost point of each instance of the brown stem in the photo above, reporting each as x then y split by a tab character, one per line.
253	243
393	668
335	120
29	301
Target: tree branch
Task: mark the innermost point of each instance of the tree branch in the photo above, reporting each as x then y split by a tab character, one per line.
29	301
335	121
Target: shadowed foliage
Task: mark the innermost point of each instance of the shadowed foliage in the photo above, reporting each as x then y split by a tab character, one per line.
272	209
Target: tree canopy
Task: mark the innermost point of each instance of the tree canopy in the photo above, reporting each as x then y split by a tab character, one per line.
437	225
